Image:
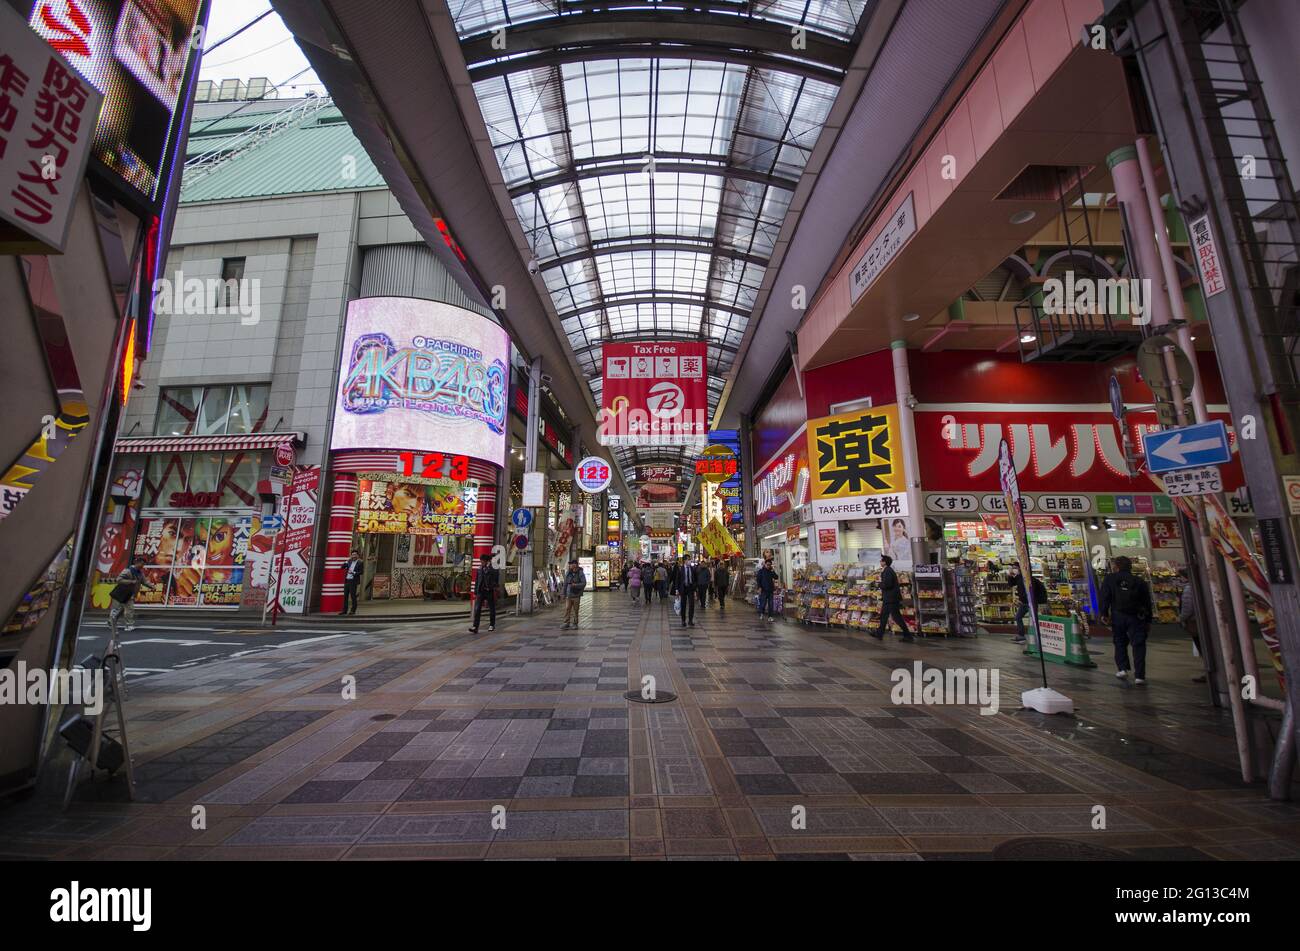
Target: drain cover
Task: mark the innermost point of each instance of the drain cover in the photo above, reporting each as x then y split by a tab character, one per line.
1033	850
385	716
660	696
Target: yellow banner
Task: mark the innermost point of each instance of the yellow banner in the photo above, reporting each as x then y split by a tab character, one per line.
717	541
858	453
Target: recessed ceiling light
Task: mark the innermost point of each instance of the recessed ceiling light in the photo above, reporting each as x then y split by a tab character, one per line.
1193	338
911	317
1028	338
1020	217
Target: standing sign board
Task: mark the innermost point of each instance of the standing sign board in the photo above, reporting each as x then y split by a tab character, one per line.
288	581
47	124
1061	642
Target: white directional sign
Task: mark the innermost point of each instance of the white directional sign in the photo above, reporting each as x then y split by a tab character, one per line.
1203	481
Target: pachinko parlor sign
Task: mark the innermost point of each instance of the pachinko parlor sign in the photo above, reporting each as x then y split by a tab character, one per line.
419	373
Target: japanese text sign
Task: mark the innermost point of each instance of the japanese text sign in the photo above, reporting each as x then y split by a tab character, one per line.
47	122
856	454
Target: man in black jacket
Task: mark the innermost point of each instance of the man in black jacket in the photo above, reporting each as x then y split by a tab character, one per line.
703	582
1126	599
891	601
485	589
685	580
766	581
721	581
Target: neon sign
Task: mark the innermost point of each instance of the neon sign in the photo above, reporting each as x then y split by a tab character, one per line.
432	375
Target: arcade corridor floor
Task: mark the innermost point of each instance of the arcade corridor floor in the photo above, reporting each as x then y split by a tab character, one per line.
783	744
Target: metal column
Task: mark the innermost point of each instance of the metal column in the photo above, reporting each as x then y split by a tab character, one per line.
911	464
530	465
747	487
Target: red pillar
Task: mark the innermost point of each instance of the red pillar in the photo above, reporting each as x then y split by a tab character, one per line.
484	515
343	518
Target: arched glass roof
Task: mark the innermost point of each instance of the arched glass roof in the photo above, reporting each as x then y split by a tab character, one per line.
651	152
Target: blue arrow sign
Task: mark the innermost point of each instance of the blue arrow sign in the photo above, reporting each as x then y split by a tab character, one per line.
521	518
1205	444
272	524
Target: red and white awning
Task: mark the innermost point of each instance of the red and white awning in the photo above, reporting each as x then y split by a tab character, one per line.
244	443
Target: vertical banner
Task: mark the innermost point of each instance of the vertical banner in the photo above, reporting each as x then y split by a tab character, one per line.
292	560
654	394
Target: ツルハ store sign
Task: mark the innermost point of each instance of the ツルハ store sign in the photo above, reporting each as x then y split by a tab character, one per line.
1056	450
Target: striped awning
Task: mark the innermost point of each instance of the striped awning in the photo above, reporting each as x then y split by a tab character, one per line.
244	443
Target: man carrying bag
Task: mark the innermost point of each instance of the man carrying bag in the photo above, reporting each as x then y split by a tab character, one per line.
1126	600
575	582
685	579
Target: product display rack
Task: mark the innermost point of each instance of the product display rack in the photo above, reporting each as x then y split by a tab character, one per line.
997	598
962	588
1167	590
931	600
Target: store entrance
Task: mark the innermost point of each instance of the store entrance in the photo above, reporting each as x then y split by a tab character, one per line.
416	538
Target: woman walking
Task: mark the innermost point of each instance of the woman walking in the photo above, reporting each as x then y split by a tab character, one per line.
634	581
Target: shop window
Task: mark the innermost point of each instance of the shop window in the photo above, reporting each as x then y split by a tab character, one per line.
178	411
238	485
248	408
205	472
164	476
215	411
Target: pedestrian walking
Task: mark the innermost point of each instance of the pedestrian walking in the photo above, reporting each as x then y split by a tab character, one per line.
634	581
485	590
721	581
1126	601
891	601
129	581
766	581
575	582
685	580
703	583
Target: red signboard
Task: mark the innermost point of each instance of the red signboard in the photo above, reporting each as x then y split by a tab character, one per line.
654	394
1164	533
1055	449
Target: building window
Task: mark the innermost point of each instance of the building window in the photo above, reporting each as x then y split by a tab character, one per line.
213	410
232	276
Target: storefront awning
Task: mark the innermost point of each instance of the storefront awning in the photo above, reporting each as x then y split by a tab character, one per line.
251	441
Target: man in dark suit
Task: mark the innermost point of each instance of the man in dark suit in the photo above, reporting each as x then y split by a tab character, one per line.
485	589
891	601
685	579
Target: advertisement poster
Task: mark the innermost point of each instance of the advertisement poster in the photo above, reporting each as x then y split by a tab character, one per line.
113	555
438	507
654	394
419	373
288	582
136	53
717	541
895	542
192	561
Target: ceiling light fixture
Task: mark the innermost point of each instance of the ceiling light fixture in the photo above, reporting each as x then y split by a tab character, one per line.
1021	217
911	317
1028	338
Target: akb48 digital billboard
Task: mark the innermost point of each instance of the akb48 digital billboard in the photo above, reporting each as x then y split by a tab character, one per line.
422	375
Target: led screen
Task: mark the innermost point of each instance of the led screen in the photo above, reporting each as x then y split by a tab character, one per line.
424	376
136	53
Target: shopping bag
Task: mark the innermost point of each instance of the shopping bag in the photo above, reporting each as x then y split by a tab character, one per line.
677	604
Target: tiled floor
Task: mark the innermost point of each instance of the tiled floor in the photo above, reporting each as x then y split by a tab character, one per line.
784	744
